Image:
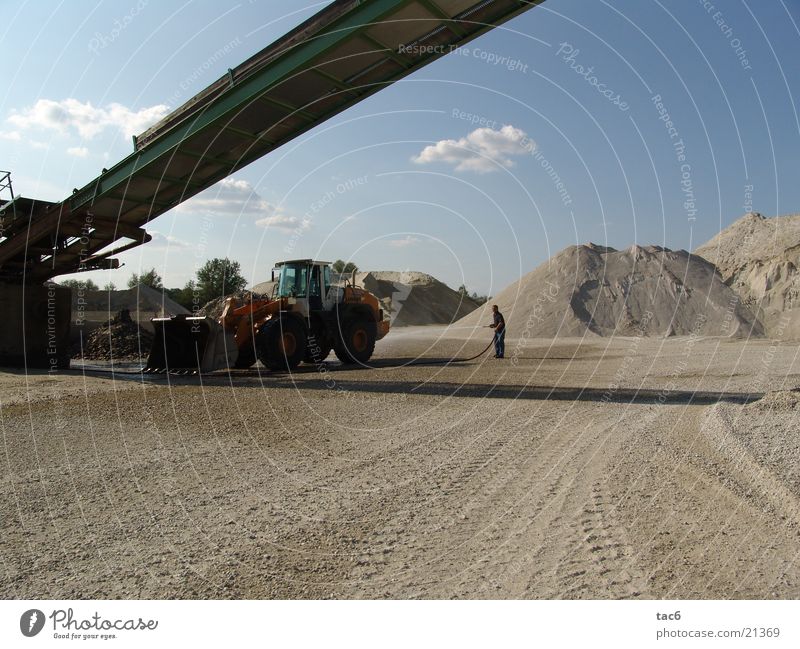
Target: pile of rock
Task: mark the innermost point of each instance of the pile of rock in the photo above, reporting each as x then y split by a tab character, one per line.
213	309
120	338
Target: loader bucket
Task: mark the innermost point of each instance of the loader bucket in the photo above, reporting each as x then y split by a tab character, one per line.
187	344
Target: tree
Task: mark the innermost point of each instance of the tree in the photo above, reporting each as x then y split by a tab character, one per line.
185	296
219	277
340	266
79	284
110	287
151	278
478	299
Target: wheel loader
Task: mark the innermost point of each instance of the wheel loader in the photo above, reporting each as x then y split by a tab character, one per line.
305	318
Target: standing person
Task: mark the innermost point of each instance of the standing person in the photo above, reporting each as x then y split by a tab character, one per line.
499	326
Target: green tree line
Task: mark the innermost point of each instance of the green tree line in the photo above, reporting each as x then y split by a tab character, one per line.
216	278
478	299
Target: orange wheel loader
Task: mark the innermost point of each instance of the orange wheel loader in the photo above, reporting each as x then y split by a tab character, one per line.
305	318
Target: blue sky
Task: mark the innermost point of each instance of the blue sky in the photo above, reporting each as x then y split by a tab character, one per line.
475	169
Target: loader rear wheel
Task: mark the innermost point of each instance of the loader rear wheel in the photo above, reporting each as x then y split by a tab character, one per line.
282	344
357	341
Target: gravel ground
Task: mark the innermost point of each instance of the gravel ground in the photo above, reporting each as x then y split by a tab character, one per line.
575	469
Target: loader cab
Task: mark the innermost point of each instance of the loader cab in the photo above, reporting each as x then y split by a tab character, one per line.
308	282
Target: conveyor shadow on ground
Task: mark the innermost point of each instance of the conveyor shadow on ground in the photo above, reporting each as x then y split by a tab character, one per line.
379	363
127	369
300	380
490	391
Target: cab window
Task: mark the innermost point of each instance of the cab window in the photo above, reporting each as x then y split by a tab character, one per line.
313	290
294	281
326	280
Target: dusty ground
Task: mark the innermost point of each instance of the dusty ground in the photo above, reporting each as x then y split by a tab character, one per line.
579	470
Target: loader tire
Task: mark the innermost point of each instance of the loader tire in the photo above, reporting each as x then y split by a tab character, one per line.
356	342
282	344
316	351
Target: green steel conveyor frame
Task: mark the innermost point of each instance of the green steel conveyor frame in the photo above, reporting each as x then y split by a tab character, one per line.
343	54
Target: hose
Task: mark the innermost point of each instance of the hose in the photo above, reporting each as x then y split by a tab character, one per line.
460	360
448	360
472	358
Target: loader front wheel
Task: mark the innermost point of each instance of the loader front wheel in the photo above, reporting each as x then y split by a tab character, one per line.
246	357
357	341
317	350
282	344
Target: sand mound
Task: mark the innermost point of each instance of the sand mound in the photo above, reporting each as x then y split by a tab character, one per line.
639	291
759	259
120	338
413	298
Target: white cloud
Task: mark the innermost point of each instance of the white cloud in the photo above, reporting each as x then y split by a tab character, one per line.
10	135
78	151
284	222
405	242
161	240
229	196
87	120
481	151
233	197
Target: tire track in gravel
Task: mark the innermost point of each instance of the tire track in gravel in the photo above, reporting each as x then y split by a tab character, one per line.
701	513
542	504
477	519
576	545
597	562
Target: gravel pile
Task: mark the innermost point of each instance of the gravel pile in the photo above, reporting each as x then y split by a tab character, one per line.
412	298
92	309
119	339
213	309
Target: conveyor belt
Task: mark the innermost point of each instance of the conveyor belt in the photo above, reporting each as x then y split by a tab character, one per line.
342	55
